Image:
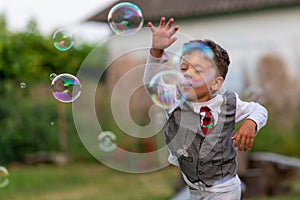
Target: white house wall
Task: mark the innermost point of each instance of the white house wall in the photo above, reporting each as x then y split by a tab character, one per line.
245	36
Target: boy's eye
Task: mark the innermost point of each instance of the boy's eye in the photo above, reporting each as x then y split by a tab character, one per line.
184	66
198	69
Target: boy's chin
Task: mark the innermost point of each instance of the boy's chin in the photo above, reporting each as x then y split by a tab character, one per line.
189	94
191	97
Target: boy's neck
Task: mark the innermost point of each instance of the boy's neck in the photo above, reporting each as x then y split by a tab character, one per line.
202	99
205	98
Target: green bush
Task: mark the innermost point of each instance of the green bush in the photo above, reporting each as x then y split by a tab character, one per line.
28	116
25	127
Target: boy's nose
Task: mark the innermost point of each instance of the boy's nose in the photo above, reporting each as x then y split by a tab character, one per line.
187	76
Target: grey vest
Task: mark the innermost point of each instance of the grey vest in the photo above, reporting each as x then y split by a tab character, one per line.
203	158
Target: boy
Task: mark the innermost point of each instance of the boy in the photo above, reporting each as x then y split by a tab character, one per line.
200	132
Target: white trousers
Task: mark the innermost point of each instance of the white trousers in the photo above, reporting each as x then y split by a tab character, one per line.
208	195
229	190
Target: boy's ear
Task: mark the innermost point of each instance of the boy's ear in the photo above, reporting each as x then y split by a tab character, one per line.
217	83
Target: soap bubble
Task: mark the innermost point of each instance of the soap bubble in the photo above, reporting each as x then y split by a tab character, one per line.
52	76
254	93
63	40
66	88
22	85
166	89
106	141
125	19
3	177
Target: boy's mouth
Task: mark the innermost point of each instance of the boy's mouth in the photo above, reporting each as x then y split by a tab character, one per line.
188	84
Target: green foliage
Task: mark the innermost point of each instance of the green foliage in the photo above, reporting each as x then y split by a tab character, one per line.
30	56
26	114
274	138
25	127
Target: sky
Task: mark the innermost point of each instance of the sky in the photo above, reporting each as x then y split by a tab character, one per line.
51	15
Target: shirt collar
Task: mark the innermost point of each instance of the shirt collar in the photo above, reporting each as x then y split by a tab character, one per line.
214	104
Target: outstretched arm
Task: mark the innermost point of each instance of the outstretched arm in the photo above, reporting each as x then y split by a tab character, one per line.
162	38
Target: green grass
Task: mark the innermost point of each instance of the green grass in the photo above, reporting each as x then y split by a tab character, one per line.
93	181
86	181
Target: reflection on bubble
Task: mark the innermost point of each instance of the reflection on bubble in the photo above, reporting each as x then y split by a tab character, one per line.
3	177
66	88
52	76
106	141
63	40
125	19
166	89
22	85
253	93
194	45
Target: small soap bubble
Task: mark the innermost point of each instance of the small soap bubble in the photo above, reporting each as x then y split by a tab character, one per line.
66	88
3	177
167	89
22	85
254	93
52	76
52	123
63	40
106	141
125	19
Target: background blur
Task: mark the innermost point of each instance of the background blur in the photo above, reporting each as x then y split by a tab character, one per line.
39	144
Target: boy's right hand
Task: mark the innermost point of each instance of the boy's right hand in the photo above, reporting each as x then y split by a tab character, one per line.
162	37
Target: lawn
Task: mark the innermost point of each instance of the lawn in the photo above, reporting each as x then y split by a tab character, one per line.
86	181
94	181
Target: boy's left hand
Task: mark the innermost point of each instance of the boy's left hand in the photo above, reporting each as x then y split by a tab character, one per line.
244	136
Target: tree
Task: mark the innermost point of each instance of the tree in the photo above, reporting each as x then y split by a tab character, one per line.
25	113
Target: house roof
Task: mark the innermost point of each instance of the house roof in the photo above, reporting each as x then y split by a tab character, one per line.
153	10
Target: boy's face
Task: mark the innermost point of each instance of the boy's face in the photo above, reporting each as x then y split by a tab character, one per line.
200	75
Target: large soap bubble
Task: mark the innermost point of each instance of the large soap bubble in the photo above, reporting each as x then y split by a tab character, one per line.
4	181
66	88
165	89
63	40
125	19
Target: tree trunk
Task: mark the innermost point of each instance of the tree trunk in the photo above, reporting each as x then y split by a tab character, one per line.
62	127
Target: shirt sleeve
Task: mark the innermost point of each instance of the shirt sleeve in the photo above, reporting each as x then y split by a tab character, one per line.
153	66
163	91
251	110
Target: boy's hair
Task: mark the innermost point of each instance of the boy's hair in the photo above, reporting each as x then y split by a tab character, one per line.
220	56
